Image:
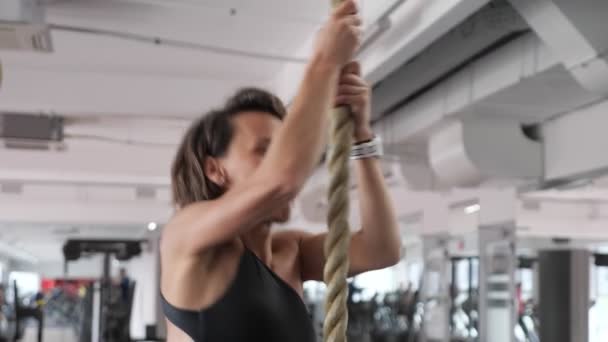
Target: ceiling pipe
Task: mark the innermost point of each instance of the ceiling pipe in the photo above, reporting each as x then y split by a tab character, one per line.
52	181
179	44
381	26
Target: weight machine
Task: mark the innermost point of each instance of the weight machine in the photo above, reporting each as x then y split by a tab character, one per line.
100	294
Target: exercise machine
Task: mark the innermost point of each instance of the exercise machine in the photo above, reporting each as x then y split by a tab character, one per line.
106	315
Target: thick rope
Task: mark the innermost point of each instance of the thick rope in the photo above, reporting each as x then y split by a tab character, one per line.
338	237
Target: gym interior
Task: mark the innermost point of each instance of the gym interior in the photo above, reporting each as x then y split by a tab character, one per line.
492	114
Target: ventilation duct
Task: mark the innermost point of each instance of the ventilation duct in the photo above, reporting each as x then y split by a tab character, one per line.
470	152
13	188
493	26
22	26
30	131
579	42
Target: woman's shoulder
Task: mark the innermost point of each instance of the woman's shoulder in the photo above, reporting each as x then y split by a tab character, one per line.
287	237
177	231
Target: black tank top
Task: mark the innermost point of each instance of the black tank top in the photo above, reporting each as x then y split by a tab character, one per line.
258	306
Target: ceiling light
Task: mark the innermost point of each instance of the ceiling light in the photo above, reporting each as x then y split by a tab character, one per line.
152	226
472	209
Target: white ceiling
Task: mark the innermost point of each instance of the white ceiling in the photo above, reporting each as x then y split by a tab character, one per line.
44	241
91	73
128	103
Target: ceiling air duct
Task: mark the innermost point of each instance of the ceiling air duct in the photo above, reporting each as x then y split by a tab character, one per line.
22	26
28	131
471	152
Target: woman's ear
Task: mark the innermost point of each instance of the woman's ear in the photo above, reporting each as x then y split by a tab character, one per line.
214	171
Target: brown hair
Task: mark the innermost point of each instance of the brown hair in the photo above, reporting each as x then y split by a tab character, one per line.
210	136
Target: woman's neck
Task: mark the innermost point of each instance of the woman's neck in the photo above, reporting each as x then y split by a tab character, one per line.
259	241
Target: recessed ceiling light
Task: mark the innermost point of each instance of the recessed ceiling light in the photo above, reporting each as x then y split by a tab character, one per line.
472	209
152	226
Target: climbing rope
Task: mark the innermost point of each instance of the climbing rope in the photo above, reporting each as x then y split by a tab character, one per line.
338	237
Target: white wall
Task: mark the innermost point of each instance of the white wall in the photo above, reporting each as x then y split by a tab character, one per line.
84	268
144	271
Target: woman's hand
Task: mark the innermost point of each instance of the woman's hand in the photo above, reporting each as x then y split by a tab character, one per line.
355	93
340	38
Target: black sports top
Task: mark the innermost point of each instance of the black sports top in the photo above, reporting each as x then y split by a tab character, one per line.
258	306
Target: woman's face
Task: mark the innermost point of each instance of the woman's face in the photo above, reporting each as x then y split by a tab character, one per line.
252	134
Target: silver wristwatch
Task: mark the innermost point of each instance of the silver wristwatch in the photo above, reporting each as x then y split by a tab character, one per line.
369	149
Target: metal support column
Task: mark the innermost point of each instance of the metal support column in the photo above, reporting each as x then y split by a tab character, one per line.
564	295
497	260
105	296
435	289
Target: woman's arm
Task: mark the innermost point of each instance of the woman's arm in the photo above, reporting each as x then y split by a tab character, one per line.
292	154
378	243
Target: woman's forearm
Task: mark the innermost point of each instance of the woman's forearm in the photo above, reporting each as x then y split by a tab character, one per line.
296	149
379	223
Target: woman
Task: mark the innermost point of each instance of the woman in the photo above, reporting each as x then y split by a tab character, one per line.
225	277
